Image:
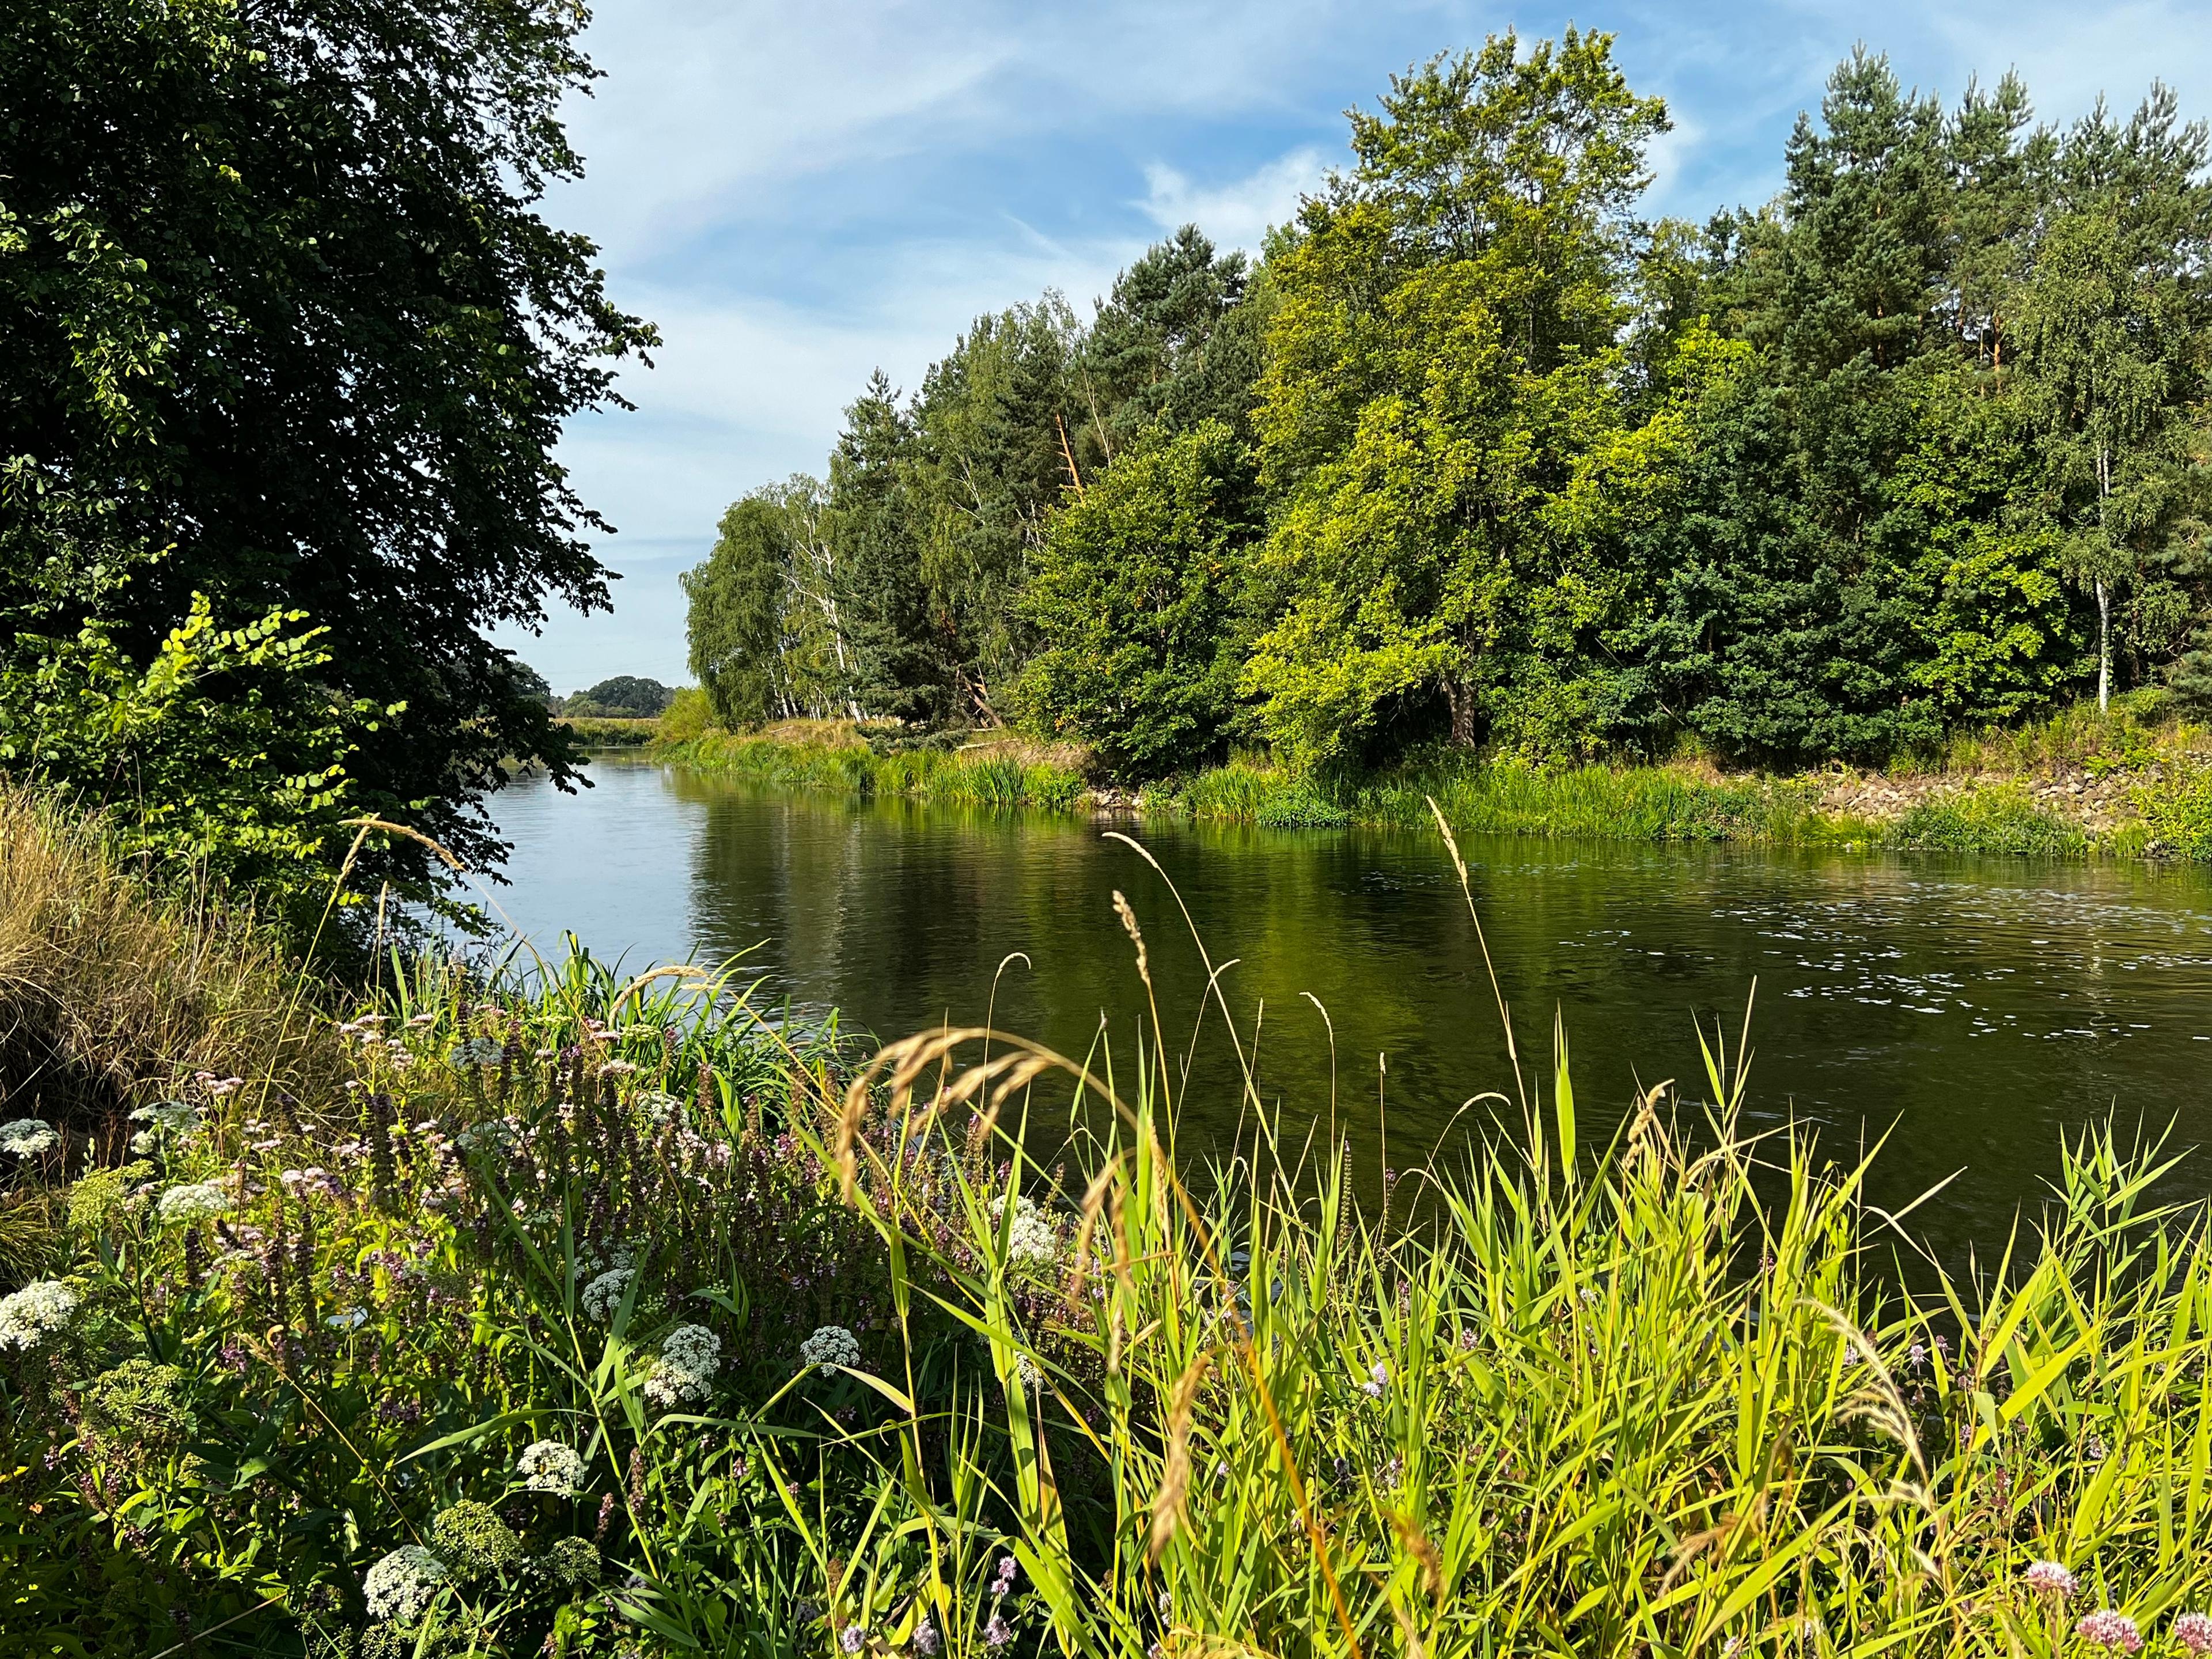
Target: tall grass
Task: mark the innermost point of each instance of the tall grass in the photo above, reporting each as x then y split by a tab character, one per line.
112	986
992	776
612	732
1000	1368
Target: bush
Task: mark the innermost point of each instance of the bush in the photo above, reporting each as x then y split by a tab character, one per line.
223	757
2176	811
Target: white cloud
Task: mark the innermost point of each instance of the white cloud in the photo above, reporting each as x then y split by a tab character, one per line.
1238	214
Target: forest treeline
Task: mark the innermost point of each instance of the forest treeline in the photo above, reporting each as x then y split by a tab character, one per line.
1474	454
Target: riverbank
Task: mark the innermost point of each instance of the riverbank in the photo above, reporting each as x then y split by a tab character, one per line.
2081	784
532	1316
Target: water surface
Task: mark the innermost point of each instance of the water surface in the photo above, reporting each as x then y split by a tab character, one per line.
1971	1008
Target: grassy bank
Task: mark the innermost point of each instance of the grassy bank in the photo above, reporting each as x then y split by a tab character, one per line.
609	731
2080	784
583	1315
995	773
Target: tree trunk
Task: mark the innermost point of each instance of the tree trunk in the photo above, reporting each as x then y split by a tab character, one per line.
2104	593
2104	645
1460	698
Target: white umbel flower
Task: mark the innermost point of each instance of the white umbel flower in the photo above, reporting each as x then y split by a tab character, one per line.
549	1465
604	1295
179	1118
27	1137
1036	1239
688	1359
182	1205
830	1347
402	1585
38	1310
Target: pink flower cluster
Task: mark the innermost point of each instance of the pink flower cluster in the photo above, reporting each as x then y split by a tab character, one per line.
2109	1629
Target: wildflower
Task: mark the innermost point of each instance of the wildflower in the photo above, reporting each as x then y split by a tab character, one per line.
2108	1629
658	1106
852	1639
997	1632
617	1068
476	1052
688	1359
27	1137
402	1585
164	1117
35	1313
2194	1631
2093	1448
1377	1382
604	1295
2051	1578
925	1637
1004	1584
422	1019
549	1465
492	1135
473	1541
1034	1240
574	1562
830	1347
182	1205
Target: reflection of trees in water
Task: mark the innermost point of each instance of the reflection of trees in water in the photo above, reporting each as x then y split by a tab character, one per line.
899	915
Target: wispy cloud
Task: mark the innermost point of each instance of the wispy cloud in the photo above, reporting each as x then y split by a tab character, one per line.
1239	212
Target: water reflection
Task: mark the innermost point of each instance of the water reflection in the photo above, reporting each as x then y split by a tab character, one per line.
1977	1006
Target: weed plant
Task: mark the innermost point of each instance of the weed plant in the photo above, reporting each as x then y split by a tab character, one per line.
598	1315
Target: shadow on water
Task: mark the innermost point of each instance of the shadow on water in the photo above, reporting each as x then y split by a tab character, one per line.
1975	1009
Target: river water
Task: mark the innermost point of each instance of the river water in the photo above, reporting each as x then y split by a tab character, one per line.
1972	1009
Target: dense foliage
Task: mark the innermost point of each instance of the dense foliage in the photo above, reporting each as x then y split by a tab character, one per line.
625	696
287	335
1919	447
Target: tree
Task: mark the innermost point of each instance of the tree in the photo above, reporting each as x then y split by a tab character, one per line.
1443	358
735	619
2114	330
766	622
532	684
898	661
625	696
285	329
1135	602
1176	343
989	462
1851	568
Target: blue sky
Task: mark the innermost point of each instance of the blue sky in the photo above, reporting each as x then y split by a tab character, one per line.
800	194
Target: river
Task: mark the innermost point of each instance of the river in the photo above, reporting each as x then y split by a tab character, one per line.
1974	1009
